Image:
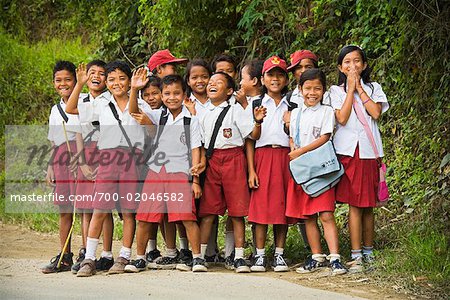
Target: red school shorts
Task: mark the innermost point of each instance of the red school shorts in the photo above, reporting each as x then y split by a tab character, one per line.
64	179
166	193
359	184
301	205
226	184
85	187
117	180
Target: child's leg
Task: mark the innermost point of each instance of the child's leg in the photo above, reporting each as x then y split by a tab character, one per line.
229	237
211	249
261	235
142	236
129	227
280	232
205	228
108	231
313	234
171	234
95	229
330	231
355	226
239	231
182	236
368	226
152	236
65	222
193	233
86	217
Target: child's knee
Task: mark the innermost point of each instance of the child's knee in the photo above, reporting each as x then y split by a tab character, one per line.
327	217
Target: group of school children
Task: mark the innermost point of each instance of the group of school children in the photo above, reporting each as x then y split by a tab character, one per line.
232	151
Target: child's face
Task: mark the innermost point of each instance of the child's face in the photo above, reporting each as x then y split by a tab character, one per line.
247	83
226	67
352	61
217	89
118	83
98	79
198	79
166	69
312	91
274	80
303	65
64	82
152	95
173	96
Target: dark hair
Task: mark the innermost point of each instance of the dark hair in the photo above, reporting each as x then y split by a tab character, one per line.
171	79
230	81
284	90
223	57
193	63
313	74
315	63
65	65
96	62
365	75
255	67
118	65
153	81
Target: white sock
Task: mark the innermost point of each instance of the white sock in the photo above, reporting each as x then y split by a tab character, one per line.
107	254
171	252
319	257
91	248
125	253
196	255
238	253
184	243
356	253
203	250
229	243
333	256
367	250
151	245
260	252
140	257
279	251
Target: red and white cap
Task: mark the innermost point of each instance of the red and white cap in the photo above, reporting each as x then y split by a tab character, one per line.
274	62
297	56
162	57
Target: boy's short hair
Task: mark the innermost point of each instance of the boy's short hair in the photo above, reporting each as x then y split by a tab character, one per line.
230	81
153	81
65	65
223	57
171	79
121	65
96	62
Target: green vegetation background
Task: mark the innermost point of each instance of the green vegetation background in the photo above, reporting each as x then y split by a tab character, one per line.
407	45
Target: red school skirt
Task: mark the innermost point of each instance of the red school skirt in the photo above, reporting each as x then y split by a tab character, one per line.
85	187
268	201
166	193
359	185
65	182
301	205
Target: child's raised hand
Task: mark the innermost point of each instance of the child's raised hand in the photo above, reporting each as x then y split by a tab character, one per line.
82	75
139	78
190	105
351	79
260	113
142	118
240	97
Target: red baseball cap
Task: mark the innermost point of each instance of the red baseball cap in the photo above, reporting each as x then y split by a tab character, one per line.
274	62
162	57
297	56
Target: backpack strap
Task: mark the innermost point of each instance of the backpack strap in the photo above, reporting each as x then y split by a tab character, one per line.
187	134
62	112
86	99
116	116
217	125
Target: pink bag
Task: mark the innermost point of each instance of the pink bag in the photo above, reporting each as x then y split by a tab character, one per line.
383	192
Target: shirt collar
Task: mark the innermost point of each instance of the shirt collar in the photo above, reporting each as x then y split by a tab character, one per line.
296	91
194	99
211	106
267	98
313	108
61	101
184	113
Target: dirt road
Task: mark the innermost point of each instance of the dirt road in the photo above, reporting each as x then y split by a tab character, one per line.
23	252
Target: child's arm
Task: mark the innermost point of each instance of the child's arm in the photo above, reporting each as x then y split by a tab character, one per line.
241	98
343	114
138	81
82	78
80	160
190	105
259	115
316	144
200	167
253	180
196	189
373	108
50	176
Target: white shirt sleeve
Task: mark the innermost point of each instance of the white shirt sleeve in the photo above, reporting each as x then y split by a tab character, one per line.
243	122
337	97
378	96
196	140
328	121
88	111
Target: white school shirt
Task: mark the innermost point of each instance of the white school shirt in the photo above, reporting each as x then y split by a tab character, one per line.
348	137
172	141
314	121
200	108
272	132
55	127
297	97
236	126
110	134
86	127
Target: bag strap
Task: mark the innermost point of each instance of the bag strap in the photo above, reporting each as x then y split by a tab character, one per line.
297	125
362	119
187	134
217	125
114	111
62	112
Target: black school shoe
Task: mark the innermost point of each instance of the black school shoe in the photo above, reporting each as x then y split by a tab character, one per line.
166	263
240	266
185	256
199	265
104	263
229	261
153	255
136	266
76	266
66	264
215	259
